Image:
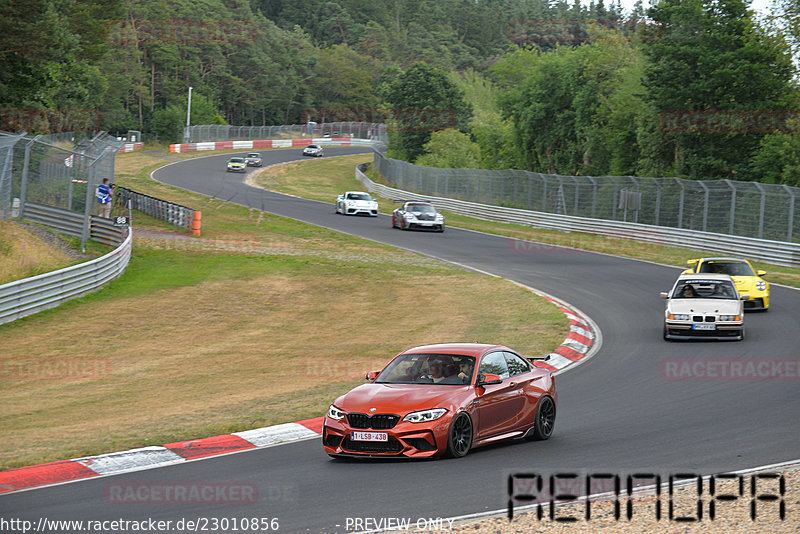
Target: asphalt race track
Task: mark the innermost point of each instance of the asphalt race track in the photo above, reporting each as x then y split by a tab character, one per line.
617	411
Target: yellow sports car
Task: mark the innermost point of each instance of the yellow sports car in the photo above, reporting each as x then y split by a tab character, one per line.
748	280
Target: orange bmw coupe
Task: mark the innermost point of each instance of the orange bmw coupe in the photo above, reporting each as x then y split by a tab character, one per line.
444	399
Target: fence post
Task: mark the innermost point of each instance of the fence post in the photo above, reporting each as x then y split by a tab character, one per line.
680	203
791	212
658	199
733	205
87	209
761	210
23	192
705	204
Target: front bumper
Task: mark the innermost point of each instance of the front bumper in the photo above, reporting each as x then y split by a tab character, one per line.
425	225
254	164
372	212
721	332
406	440
237	169
757	303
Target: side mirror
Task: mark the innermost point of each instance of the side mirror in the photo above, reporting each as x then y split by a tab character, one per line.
691	262
488	379
744	297
761	272
372	375
664	295
688	271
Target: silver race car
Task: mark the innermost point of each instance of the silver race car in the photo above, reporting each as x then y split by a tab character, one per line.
356	203
417	214
253	159
705	306
313	150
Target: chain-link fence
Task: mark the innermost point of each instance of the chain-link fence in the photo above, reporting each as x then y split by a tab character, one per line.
220	132
750	209
60	170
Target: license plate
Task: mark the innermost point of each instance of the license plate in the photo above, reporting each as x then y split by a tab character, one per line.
704	326
369	436
426	223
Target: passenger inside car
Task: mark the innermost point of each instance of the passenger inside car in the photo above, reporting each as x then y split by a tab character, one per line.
687	292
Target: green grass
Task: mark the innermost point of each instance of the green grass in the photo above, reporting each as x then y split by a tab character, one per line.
262	320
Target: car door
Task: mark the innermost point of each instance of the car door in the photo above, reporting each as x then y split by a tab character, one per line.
496	404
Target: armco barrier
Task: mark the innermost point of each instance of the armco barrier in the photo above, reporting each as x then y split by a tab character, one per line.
775	252
71	223
175	214
270	143
38	293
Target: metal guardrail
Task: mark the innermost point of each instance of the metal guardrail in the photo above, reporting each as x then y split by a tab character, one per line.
175	214
775	252
71	223
38	293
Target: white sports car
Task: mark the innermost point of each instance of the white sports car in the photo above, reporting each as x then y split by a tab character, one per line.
704	306
356	203
417	214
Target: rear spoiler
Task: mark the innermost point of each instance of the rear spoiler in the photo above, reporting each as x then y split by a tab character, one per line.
533	359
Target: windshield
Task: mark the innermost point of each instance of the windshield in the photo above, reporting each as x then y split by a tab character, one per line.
313	146
445	369
732	268
236	160
254	155
359	196
704	289
421	208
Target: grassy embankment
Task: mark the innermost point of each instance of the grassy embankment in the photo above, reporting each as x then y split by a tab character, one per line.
261	321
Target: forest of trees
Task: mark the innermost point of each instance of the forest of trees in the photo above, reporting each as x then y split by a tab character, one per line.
691	88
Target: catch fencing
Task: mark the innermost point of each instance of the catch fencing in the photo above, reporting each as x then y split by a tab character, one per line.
747	209
776	252
220	132
59	170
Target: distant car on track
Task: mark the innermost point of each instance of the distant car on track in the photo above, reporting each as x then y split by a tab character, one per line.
419	215
356	203
313	150
705	306
443	399
237	164
747	279
253	159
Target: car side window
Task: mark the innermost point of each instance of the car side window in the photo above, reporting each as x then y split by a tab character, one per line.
494	363
516	365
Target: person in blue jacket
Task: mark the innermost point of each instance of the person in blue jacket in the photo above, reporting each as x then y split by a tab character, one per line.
104	197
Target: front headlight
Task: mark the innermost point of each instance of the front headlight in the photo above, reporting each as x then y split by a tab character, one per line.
761	285
678	317
335	413
425	415
729	318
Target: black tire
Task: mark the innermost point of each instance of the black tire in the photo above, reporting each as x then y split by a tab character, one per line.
741	335
459	438
545	419
665	334
441	230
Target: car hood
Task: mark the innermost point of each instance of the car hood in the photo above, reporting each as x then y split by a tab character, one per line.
715	306
400	398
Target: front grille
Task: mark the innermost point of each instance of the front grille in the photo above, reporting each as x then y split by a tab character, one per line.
379	421
697	318
372	446
426	217
710	318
